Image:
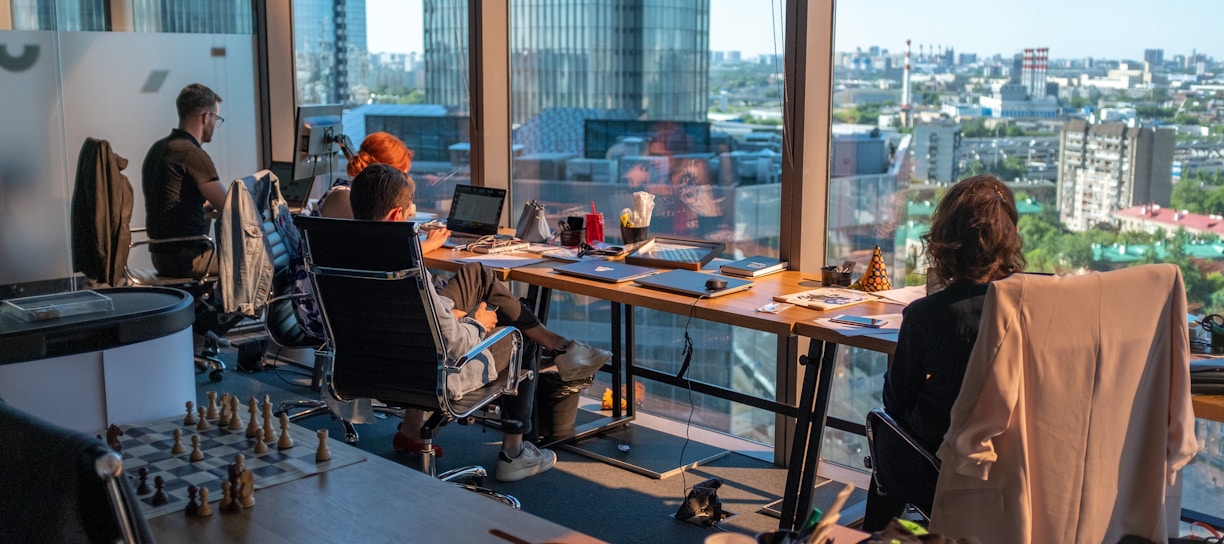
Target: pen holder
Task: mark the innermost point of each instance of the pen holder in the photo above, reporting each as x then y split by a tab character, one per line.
572	237
633	235
829	277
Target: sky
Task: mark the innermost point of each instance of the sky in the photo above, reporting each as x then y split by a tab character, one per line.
1113	29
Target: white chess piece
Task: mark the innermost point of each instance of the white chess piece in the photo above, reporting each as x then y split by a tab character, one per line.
285	441
322	454
177	448
196	454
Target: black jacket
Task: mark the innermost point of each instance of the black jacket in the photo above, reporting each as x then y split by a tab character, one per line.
101	214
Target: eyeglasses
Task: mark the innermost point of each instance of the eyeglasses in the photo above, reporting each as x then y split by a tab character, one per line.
220	119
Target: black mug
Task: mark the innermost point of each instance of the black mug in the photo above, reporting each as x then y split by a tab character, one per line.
573	238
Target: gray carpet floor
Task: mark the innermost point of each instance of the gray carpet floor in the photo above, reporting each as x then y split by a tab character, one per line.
598	499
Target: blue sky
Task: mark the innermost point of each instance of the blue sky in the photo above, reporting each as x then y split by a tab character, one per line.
1070	28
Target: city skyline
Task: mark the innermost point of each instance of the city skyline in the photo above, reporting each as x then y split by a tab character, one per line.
1071	30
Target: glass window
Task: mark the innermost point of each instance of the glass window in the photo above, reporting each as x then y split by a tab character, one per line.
395	66
679	100
1111	144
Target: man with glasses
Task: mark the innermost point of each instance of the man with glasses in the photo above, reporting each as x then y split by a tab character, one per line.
181	184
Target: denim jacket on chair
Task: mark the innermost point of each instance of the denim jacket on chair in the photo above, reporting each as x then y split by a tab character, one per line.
246	267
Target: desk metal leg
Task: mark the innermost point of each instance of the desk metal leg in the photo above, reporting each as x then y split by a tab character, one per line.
809	427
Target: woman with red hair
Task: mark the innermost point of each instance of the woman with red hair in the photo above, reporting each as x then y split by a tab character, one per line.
377	148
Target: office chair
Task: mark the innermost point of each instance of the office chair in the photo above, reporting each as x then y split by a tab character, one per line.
378	306
62	486
900	467
102	201
1074	417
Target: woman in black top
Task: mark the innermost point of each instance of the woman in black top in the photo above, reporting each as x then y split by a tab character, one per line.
973	241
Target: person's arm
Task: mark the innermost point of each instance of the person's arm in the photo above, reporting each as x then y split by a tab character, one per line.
214	192
434	238
337	204
904	377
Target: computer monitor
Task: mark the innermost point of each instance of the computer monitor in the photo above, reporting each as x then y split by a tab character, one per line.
316	148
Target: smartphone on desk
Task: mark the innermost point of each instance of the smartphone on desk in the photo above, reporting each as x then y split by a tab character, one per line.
859	321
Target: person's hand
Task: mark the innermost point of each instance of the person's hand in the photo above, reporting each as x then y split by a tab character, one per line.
434	238
486	318
210	212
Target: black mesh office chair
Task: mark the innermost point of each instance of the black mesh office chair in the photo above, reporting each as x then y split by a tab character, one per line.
62	486
379	308
900	467
102	237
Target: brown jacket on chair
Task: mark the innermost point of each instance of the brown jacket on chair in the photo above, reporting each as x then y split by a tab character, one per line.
1074	415
101	214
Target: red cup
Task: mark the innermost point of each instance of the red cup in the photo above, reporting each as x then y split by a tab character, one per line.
594	228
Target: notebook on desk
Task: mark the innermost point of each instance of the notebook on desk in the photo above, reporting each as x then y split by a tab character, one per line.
605	271
474	213
693	284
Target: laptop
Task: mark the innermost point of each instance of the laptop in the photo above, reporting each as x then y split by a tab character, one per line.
605	271
474	213
693	284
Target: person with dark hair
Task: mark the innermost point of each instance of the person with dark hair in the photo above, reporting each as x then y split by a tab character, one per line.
376	148
383	193
179	182
974	240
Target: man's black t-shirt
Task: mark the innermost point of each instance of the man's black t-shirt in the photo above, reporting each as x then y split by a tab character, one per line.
171	176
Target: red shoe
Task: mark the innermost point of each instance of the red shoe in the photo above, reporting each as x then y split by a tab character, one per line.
403	444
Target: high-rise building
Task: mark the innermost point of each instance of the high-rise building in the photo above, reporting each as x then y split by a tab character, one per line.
330	47
1033	71
937	151
1108	167
648	56
49	15
1154	56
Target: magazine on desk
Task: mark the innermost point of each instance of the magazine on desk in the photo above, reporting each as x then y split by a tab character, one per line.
826	298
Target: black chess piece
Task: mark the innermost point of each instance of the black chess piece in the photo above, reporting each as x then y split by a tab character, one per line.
159	498
143	488
193	506
112	438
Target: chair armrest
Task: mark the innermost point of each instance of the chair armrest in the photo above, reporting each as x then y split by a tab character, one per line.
291	296
514	369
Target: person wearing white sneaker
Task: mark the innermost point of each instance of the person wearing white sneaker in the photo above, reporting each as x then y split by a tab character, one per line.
473	303
529	461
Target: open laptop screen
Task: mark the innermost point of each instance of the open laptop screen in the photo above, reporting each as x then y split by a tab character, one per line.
476	210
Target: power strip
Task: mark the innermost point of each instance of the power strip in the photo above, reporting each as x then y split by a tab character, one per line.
506	246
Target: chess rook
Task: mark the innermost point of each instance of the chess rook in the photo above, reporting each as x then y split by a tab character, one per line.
322	454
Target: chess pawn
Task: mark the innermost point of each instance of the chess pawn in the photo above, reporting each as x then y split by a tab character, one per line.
235	422
190	418
223	406
227	496
322	454
143	488
203	423
260	445
196	453
252	429
205	509
285	441
193	507
177	448
159	497
212	405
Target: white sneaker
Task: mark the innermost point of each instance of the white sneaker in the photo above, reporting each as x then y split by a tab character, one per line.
530	461
580	361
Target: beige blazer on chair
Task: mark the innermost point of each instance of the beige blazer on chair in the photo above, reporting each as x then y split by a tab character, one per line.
1075	411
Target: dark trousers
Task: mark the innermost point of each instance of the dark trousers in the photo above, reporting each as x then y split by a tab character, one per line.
474	284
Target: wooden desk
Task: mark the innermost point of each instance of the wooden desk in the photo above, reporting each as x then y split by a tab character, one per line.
1209	407
371	501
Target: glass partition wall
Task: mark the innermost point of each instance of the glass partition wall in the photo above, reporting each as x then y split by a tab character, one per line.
67	77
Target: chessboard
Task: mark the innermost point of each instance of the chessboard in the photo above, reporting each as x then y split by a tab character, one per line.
149	446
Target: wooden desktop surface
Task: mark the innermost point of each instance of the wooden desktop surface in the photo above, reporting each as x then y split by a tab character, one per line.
1209	407
372	501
